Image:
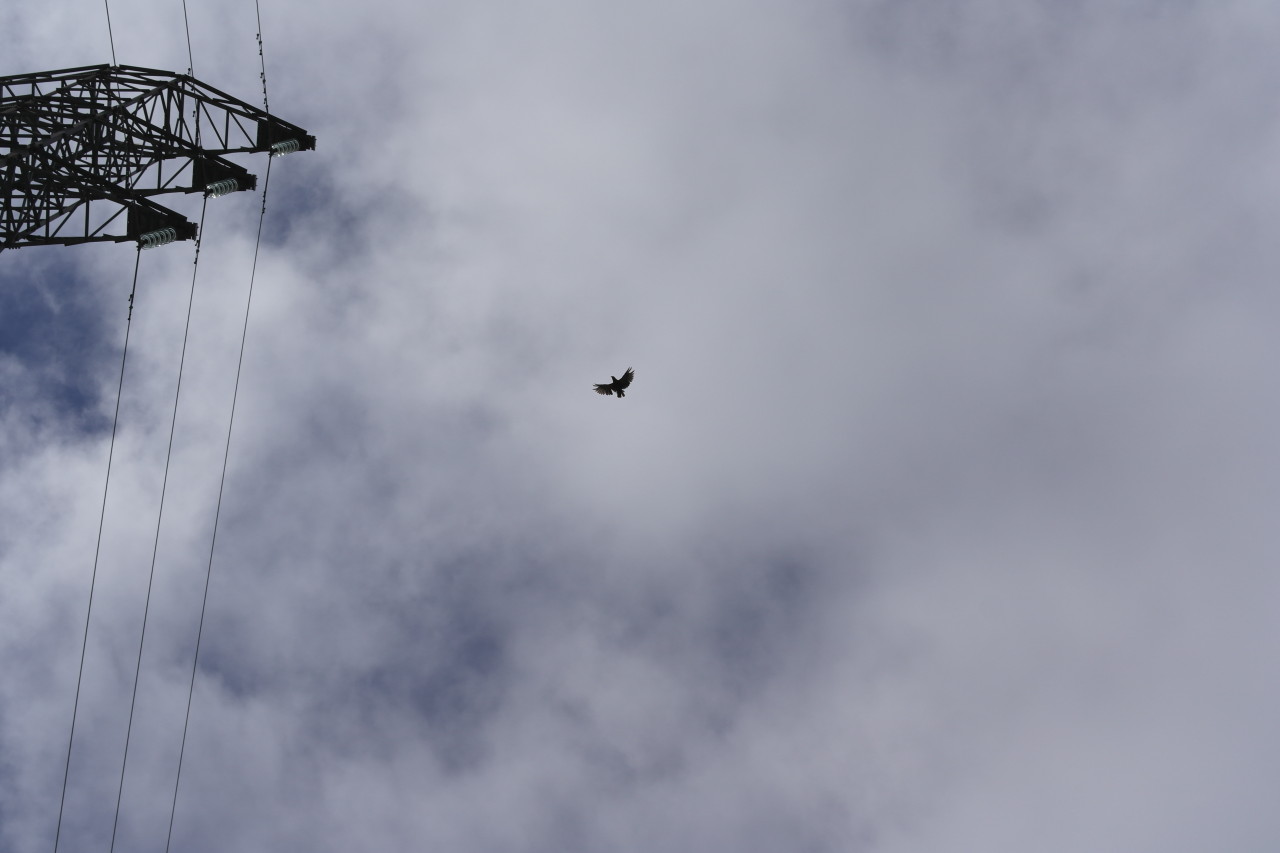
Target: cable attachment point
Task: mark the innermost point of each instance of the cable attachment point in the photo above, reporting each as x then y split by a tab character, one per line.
221	188
152	239
288	146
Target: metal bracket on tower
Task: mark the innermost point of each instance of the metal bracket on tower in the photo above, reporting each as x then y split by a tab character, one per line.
152	225
283	138
216	177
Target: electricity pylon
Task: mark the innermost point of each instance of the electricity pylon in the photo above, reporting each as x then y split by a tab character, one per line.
81	147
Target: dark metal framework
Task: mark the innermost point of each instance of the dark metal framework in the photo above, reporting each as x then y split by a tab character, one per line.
82	146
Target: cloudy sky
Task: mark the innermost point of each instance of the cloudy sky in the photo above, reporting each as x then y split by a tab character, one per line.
940	515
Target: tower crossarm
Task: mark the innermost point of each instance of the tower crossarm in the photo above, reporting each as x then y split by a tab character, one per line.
119	134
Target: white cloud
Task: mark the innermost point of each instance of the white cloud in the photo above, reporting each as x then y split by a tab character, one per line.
938	514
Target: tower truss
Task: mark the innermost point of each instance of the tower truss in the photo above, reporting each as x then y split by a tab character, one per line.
84	153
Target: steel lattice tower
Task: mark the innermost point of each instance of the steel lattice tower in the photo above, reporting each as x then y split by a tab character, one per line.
82	146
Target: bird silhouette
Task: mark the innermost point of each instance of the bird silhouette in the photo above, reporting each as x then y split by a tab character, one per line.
617	386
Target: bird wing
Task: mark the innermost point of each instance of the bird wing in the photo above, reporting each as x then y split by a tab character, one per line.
606	389
626	378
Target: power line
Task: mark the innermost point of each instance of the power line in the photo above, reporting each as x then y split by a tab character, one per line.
186	22
281	139
227	450
262	59
191	64
110	35
84	644
217	513
159	516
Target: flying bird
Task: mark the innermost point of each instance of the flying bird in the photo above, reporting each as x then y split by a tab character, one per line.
617	386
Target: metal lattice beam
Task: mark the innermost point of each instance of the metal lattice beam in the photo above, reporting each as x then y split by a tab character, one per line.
81	146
